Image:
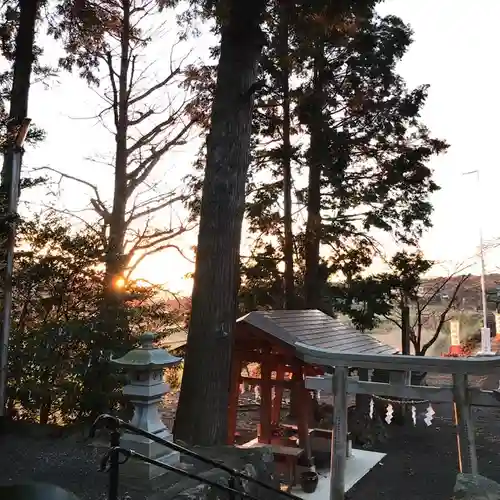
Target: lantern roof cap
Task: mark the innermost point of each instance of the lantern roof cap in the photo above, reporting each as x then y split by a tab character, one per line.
147	355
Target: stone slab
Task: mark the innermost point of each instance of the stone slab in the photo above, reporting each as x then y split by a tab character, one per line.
358	465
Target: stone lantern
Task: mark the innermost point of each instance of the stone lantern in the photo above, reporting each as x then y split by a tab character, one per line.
145	390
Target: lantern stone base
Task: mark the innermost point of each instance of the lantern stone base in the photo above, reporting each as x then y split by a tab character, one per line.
137	470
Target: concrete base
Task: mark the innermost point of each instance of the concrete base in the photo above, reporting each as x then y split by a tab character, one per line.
146	446
135	469
358	465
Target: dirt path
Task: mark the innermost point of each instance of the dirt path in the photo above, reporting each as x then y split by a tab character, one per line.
421	462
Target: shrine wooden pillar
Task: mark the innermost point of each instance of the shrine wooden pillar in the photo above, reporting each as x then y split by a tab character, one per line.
278	394
303	408
234	392
265	399
294	390
466	439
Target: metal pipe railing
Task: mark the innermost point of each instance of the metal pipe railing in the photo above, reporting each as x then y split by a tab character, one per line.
112	458
111	461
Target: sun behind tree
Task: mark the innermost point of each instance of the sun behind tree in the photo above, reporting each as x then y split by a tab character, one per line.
119	282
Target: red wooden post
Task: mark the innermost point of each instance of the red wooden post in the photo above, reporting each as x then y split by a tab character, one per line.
265	400
304	409
234	391
278	394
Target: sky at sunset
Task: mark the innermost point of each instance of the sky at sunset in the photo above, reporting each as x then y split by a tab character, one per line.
455	51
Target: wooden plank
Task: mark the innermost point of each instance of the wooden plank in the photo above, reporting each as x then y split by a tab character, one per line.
286	451
398	378
466	439
326	433
257	357
339	441
276	449
257	381
477	397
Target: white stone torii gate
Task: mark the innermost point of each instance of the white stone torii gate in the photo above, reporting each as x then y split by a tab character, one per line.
460	394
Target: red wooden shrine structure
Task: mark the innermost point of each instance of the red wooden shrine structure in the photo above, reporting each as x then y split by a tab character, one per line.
280	368
270	338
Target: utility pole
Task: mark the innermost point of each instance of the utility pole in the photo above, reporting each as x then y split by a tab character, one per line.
405	325
485	331
12	181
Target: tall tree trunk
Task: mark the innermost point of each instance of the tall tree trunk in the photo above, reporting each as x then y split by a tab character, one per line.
113	326
202	413
23	67
405	326
287	156
117	224
313	225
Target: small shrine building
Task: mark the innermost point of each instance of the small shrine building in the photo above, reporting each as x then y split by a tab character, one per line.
269	338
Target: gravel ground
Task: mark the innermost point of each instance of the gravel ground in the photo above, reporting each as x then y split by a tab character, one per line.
68	462
421	462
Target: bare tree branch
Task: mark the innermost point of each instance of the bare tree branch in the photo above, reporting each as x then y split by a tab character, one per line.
97	203
114	86
154	88
161	248
159	237
149	136
156	208
145	168
147	121
443	315
393	320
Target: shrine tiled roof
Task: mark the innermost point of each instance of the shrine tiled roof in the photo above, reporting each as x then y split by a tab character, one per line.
316	329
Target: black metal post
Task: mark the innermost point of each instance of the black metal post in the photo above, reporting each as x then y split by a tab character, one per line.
232	484
114	463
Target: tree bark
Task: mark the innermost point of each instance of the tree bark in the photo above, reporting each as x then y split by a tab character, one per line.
23	66
203	404
287	158
405	326
22	69
117	224
313	225
113	324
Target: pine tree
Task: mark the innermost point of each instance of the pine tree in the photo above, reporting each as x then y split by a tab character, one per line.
17	35
202	413
365	149
368	147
